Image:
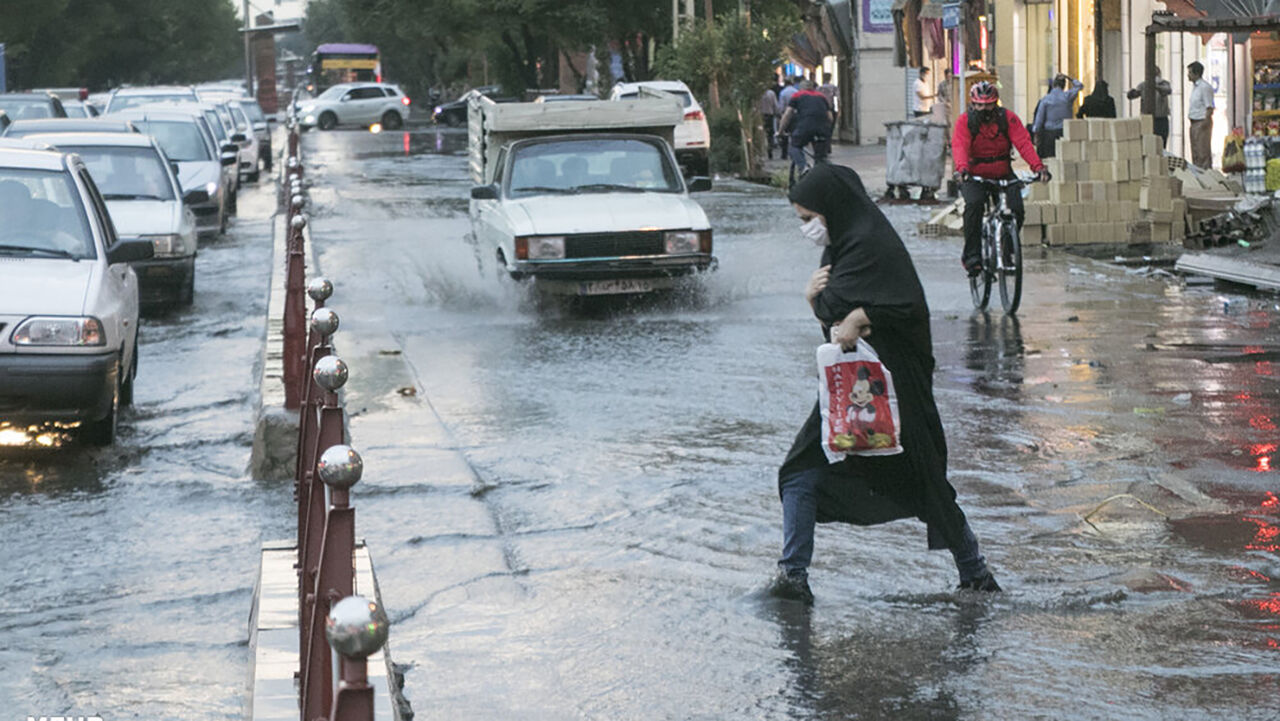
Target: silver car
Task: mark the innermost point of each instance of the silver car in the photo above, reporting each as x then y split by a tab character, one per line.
145	202
125	98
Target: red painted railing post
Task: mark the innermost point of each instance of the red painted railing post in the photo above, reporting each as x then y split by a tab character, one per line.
295	309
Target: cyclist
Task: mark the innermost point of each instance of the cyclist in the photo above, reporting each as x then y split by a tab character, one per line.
981	144
808	119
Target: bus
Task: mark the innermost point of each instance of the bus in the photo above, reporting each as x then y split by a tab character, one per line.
334	63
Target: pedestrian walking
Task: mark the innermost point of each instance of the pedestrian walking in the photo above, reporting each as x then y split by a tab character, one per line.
1053	109
769	115
922	100
1160	111
867	288
807	120
791	85
1098	104
1200	114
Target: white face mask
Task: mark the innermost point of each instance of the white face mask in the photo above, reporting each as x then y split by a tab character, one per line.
816	231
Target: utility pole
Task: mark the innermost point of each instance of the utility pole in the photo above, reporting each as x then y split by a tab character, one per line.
248	59
675	21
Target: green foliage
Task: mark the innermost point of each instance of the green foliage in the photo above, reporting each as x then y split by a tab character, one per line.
726	140
99	43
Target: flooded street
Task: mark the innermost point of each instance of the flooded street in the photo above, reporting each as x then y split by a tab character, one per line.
604	555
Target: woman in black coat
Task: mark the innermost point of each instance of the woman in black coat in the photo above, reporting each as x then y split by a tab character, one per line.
1098	104
867	286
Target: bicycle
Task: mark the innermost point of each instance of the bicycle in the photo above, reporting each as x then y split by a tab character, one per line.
1001	249
818	154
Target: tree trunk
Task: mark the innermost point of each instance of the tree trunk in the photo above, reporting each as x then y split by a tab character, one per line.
713	92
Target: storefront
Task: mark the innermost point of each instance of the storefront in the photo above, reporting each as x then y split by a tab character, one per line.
1264	101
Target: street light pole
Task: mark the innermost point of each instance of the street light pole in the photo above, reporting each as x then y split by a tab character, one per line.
248	60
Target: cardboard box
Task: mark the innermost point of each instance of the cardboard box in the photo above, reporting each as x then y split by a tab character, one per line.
1151	146
1119	171
1102	150
1135	168
1039	191
1164	183
1130	190
1032	214
1071	151
1148	125
1075	130
1154	166
1032	234
1097	129
1128	129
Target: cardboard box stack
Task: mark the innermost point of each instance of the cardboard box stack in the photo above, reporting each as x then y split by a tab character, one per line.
1111	184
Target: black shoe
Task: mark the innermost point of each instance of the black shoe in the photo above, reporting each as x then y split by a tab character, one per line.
791	587
972	266
986	582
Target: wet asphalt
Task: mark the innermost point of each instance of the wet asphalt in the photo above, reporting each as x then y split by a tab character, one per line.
1112	446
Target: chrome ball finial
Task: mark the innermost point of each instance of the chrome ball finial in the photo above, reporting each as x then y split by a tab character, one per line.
330	373
357	627
299	222
324	321
319	289
340	467
297	201
293	163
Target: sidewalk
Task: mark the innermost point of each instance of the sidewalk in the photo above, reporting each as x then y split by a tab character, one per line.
868	160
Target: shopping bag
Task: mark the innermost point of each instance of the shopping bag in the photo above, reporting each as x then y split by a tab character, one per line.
858	403
1233	152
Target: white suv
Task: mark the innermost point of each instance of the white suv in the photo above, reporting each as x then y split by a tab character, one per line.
692	136
68	298
356	104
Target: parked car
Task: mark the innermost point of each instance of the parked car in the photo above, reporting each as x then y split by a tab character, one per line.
217	117
125	98
454	113
693	136
68	297
246	141
78	109
146	202
356	104
69	125
187	140
20	106
261	128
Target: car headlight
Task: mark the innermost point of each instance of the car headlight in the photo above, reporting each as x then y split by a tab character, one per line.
679	242
436	111
309	119
59	331
540	247
212	189
168	246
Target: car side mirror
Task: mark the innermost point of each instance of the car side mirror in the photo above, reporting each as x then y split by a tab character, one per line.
230	148
195	196
484	192
345	98
173	165
272	119
229	158
699	184
129	251
239	138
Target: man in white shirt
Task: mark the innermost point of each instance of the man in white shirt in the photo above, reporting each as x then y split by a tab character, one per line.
922	102
1200	113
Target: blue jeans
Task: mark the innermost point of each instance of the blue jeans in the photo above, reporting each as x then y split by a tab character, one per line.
800	516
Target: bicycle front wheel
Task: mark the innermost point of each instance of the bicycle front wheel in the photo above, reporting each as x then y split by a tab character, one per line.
980	284
1010	268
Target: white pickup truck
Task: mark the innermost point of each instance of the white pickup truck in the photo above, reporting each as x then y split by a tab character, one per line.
586	198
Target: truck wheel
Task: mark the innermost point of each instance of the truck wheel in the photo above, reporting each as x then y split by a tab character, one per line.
391	120
327	121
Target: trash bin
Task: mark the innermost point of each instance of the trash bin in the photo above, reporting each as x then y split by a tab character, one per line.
916	153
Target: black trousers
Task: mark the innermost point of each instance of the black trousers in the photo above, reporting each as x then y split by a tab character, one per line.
975	206
1161	128
1046	143
771	142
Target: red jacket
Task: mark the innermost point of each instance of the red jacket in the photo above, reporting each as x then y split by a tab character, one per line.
978	155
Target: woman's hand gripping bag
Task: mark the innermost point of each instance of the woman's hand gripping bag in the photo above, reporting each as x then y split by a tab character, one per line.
859	406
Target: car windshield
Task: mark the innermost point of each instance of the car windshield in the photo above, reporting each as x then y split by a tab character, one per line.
76	111
23	108
41	215
126	173
591	166
123	102
334	93
181	140
253	111
215	124
242	122
685	98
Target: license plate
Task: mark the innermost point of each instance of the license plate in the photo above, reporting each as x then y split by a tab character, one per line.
618	285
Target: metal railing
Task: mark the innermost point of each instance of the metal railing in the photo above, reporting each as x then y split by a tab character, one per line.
338	630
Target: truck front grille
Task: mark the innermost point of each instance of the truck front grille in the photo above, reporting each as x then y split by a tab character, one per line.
607	245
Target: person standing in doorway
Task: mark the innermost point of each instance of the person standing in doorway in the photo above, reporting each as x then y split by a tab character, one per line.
922	101
1159	113
768	114
1200	113
1054	108
867	288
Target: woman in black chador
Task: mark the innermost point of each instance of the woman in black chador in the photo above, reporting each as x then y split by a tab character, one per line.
867	286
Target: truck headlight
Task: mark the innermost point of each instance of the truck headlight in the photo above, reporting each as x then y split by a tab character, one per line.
540	247
168	246
680	242
59	331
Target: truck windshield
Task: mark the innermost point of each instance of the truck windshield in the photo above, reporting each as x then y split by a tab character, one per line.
599	165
